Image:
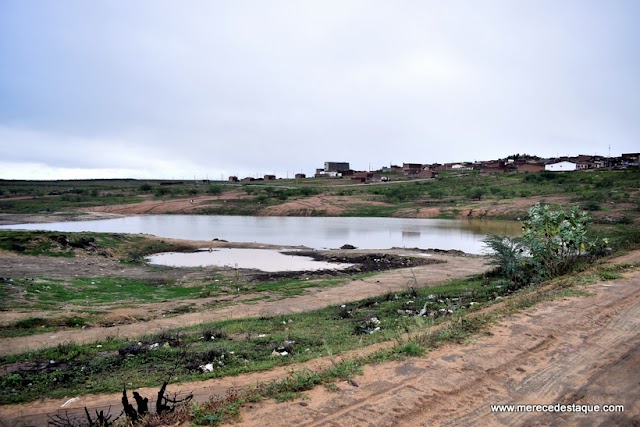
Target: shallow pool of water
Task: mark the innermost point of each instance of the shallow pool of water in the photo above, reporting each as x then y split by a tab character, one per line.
313	232
259	259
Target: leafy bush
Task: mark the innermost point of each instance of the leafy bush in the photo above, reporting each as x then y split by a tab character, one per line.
507	254
552	243
162	192
475	193
145	188
214	189
592	205
437	193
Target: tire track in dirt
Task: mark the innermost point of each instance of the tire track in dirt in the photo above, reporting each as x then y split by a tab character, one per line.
557	352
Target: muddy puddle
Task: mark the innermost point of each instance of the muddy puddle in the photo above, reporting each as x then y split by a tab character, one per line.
267	260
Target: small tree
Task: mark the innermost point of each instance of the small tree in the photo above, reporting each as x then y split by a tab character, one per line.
145	188
214	189
476	193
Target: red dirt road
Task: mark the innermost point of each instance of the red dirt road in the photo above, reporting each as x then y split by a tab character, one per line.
583	351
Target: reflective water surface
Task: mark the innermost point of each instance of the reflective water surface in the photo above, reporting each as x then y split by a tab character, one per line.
260	259
313	232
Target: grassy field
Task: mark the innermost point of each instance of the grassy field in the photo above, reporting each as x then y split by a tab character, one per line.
246	345
596	190
238	346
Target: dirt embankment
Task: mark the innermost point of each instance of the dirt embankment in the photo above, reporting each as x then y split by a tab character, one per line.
152	206
325	205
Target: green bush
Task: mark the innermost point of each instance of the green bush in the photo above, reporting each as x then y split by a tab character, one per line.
552	244
162	191
214	189
145	188
476	193
437	193
592	205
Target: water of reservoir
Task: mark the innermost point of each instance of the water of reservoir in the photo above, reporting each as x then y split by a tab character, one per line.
313	232
259	259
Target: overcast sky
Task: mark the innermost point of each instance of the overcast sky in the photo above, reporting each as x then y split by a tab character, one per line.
177	89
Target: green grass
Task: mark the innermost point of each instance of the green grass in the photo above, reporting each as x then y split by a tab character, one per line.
372	210
50	204
594	190
293	287
126	247
90	291
247	344
33	325
588	187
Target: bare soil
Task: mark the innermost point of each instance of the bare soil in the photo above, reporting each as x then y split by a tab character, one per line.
324	204
153	206
509	208
578	350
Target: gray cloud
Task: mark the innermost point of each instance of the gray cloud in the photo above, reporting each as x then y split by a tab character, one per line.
162	89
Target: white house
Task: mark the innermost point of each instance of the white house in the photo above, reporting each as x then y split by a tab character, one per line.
561	167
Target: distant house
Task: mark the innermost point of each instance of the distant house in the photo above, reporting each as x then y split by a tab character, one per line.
379	178
631	159
563	166
300	176
269	177
466	166
362	177
336	166
321	173
248	179
530	168
427	174
411	168
585	165
391	169
233	179
497	166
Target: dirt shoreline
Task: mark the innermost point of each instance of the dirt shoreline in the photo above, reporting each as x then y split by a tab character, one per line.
16	219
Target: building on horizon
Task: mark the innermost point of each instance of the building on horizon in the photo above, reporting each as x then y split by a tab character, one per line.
336	166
